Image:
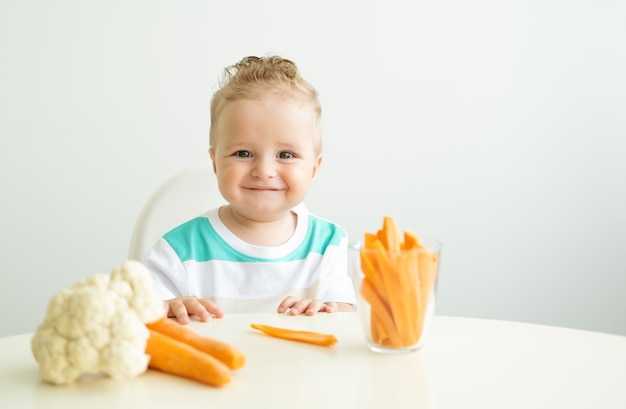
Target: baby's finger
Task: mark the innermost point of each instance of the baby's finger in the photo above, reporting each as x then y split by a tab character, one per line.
331	307
177	309
287	303
211	308
314	307
197	309
300	307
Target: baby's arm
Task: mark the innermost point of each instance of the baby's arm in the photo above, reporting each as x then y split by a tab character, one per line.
183	307
311	307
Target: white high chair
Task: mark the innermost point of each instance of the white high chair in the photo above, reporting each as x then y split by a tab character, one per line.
185	195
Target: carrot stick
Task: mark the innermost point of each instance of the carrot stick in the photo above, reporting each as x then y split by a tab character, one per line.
408	266
411	240
177	358
370	270
223	351
381	314
372	273
373	265
391	235
311	337
408	276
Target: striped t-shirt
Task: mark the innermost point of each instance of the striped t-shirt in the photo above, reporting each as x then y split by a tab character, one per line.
202	258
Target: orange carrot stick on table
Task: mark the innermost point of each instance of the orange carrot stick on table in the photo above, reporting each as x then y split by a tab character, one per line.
223	351
311	337
177	358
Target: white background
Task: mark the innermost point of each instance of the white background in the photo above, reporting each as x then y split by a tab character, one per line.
495	126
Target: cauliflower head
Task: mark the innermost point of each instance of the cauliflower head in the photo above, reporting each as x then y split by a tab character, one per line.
98	326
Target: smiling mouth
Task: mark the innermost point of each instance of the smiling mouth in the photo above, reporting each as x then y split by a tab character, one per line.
264	189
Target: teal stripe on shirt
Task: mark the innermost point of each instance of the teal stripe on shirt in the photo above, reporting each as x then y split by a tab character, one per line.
197	240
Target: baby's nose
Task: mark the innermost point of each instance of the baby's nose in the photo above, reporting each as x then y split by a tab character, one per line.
264	167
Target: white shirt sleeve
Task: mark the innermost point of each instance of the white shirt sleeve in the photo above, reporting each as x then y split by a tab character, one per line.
167	271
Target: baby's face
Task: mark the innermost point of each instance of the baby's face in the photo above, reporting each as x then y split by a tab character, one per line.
264	154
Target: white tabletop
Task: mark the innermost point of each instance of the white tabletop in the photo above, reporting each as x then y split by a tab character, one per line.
465	363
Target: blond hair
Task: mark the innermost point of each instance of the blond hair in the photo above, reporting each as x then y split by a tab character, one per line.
253	77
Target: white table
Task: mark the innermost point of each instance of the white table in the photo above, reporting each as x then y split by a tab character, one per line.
465	363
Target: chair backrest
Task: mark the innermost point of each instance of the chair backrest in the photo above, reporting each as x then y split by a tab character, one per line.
184	196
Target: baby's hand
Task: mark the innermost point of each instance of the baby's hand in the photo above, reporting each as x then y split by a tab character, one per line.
305	306
183	307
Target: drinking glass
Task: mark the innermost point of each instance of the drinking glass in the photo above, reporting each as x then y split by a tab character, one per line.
395	294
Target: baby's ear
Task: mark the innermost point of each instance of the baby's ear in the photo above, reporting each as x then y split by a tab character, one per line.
316	165
212	155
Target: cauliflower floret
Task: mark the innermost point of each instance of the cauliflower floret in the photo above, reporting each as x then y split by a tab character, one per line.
98	325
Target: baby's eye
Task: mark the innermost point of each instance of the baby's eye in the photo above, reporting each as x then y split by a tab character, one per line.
243	154
286	155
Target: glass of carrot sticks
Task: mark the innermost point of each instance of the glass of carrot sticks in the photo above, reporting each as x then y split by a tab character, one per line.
394	274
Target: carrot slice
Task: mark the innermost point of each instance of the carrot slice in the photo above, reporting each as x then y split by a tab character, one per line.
311	337
408	267
373	264
177	358
381	315
410	260
391	235
370	269
411	240
223	351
